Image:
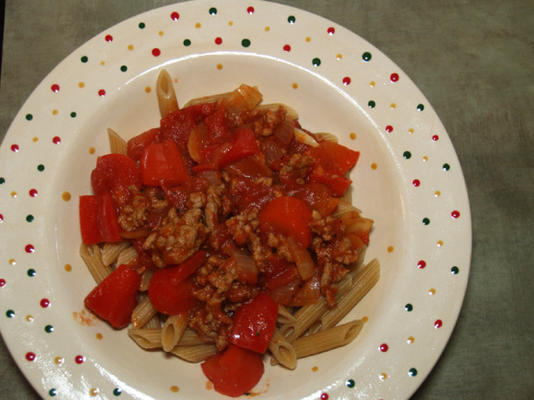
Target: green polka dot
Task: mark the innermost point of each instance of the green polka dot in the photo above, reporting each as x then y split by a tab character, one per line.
29	218
2	180
366	56
420	107
84	59
371	104
407	155
412	372
426	221
455	270
446	167
124	68
117	392
213	11
10	313
29	117
187	42
52	392
31	272
73	114
49	329
245	42
350	383
408	307
141	25
316	62
291	19
40	168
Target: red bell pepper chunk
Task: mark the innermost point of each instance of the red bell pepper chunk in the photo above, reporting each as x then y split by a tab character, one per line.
336	183
289	216
234	372
138	144
114	299
254	324
162	163
243	145
114	172
335	158
171	289
98	219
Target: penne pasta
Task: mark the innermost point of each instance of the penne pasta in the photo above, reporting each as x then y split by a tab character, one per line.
165	92
117	144
194	354
207	99
147	339
326	137
172	331
145	280
126	256
191	338
111	251
283	351
302	137
143	312
154	322
92	257
284	315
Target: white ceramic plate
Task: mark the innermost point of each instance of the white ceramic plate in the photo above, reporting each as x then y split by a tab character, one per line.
408	180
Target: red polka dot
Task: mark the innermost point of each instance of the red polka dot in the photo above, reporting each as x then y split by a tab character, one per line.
435	138
109	38
1	218
33	192
30	356
79	359
331	30
250	10
421	264
389	129
455	214
346	81
2	282
156	52
438	323
175	16
44	303
416	182
56	140
101	92
324	396
54	88
29	248
394	77
218	40
287	47
383	347
14	148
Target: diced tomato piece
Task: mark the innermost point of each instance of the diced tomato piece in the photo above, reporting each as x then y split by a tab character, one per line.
98	219
162	163
318	197
234	372
309	293
278	272
335	158
288	215
217	125
114	298
171	289
336	183
254	324
114	172
138	144
243	145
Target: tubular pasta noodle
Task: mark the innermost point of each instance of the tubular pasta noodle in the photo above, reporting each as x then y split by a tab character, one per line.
154	322
327	339
143	312
191	338
283	351
207	99
194	354
165	93
172	331
111	251
145	280
117	144
284	316
326	137
93	259
147	339
126	256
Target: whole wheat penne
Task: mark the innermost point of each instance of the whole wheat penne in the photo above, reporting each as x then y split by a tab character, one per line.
146	338
92	257
111	251
143	312
283	351
194	354
363	282
207	99
145	280
191	338
172	331
284	315
165	92
154	322
328	339
117	144
302	137
326	137
127	255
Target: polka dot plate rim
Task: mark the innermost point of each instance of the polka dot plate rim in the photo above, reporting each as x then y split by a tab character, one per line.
408	179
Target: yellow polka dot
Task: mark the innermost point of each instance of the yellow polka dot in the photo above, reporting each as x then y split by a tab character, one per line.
411	131
230	23
410	340
91	150
267	28
339	56
315	368
68	267
130	47
175	80
29	318
439	243
295	85
392	105
383	376
13	194
174	389
35	139
55	112
197	25
308	39
58	360
99	336
425	158
374	165
81	85
148	89
102	62
219	66
94	392
353	136
390	249
365	319
437	193
160	33
12	262
66	196
372	83
431	291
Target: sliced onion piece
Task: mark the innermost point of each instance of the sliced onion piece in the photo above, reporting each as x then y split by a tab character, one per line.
303	137
302	258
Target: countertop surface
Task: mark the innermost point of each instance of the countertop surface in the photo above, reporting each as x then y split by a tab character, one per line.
474	61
